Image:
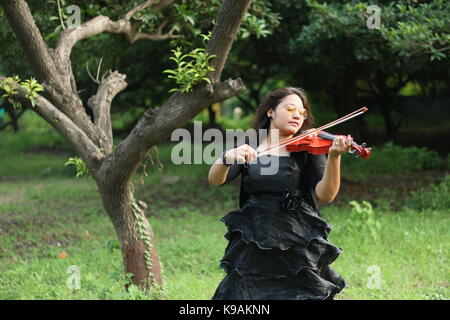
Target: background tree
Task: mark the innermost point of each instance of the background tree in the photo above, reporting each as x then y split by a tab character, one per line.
188	19
112	166
327	48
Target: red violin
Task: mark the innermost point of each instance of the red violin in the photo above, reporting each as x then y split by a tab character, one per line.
321	144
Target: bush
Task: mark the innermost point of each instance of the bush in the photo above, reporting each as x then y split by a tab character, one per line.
362	219
390	159
433	198
229	123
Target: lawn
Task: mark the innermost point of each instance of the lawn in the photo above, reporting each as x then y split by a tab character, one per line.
50	220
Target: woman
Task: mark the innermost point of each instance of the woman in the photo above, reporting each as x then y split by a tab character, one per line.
278	247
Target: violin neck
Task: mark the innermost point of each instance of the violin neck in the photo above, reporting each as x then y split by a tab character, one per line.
329	136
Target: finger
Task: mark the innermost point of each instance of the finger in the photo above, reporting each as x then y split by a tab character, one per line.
344	142
233	154
341	141
241	154
336	142
254	155
350	141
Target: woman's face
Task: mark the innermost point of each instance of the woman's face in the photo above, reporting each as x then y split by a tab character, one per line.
287	116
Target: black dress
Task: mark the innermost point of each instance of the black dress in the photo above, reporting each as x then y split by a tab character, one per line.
278	247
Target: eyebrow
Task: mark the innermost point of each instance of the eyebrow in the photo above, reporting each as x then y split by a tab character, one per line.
291	104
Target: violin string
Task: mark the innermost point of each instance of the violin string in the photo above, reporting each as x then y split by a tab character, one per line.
328	125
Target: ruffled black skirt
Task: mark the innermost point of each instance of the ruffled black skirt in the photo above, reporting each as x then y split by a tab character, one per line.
278	254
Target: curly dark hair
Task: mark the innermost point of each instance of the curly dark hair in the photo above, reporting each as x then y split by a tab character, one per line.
272	100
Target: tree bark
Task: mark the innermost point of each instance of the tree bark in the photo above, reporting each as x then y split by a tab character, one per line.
113	169
135	234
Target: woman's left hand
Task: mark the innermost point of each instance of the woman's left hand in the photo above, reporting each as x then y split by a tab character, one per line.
341	144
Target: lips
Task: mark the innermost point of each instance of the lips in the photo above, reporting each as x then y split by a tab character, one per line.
294	122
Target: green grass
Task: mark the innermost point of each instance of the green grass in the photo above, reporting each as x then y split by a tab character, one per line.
45	210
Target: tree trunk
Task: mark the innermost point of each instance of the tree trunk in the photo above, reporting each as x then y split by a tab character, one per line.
14	116
212	117
391	128
136	238
113	168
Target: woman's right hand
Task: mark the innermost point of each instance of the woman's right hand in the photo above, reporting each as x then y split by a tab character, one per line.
241	154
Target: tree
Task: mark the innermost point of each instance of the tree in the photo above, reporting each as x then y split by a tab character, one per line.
113	166
326	47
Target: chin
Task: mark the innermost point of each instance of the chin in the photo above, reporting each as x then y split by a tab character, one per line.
289	131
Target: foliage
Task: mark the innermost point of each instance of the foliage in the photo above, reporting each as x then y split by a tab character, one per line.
420	28
251	24
435	197
188	18
31	87
82	169
243	123
362	218
407	29
391	159
192	68
61	16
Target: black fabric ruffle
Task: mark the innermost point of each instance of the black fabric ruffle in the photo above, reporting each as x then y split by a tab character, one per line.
278	254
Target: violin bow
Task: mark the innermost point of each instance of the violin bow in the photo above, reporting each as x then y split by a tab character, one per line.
325	126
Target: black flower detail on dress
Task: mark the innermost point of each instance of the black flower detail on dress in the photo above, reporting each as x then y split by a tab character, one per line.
291	200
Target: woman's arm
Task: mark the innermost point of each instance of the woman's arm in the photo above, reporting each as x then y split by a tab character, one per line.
218	172
327	188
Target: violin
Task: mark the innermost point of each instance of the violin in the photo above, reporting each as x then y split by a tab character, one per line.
321	143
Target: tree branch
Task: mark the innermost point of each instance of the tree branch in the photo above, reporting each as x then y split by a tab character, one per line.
100	104
162	4
155	7
157	124
65	126
57	79
224	34
138	8
102	24
22	23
